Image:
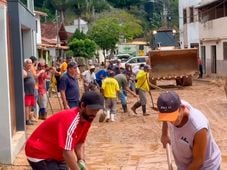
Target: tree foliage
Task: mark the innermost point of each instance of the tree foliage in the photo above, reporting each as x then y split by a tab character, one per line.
105	32
78	35
125	3
83	48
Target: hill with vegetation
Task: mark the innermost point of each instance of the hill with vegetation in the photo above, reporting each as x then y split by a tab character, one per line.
149	13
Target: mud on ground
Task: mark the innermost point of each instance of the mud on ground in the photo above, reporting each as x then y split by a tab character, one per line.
133	142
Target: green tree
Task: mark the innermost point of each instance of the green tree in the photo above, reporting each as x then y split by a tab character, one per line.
78	35
125	3
83	48
129	26
105	32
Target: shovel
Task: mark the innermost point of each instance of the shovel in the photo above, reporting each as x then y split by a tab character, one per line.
152	101
168	154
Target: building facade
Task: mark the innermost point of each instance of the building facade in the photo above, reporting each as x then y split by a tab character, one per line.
213	35
17	42
188	23
202	25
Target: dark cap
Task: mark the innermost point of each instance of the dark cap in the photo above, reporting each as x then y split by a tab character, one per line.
168	105
93	100
72	64
33	58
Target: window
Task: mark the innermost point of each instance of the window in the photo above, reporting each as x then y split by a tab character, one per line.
225	50
184	16
213	11
133	60
191	14
141	60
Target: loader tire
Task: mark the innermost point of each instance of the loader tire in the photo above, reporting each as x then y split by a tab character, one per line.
184	81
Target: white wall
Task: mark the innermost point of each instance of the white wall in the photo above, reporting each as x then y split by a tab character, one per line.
214	29
52	52
189	33
38	31
5	125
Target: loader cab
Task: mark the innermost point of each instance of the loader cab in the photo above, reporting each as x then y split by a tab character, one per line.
164	38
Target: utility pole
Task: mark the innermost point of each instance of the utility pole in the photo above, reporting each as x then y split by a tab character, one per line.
165	13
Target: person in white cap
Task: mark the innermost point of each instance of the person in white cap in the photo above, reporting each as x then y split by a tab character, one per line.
89	78
188	131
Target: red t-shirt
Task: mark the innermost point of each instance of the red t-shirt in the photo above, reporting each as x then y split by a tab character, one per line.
60	132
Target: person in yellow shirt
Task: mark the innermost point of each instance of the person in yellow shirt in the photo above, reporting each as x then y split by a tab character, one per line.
110	89
142	86
65	64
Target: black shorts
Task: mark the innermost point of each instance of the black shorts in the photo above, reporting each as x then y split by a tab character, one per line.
48	165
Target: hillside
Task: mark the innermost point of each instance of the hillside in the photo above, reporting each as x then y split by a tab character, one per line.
148	12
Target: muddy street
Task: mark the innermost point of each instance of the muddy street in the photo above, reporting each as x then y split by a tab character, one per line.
133	142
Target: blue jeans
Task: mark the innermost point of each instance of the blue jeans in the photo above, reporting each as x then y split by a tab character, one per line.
122	97
73	104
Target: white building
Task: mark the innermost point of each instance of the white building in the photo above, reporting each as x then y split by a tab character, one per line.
203	24
213	35
189	23
78	24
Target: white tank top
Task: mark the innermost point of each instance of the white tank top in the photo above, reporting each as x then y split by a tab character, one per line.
182	141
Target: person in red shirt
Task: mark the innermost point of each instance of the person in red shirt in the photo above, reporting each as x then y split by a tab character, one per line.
42	97
58	143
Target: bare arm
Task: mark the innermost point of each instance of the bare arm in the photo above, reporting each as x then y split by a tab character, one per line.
199	149
63	97
80	148
165	137
71	159
131	92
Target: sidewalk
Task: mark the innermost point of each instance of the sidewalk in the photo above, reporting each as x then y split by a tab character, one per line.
21	162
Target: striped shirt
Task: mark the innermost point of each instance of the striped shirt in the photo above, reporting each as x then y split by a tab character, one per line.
62	131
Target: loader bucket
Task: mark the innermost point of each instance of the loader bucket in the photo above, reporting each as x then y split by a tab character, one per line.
173	64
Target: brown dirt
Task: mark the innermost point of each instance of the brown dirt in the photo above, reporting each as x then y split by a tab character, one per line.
133	142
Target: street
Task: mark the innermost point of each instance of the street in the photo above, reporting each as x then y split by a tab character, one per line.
133	142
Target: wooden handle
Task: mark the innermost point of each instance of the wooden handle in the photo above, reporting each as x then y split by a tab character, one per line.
169	159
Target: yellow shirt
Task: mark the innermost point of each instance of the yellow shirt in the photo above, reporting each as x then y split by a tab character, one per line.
142	80
64	67
110	87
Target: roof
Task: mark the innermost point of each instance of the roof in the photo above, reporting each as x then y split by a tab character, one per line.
51	30
71	28
205	3
82	22
40	13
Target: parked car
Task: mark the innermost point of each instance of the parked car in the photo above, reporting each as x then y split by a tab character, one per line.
124	57
135	61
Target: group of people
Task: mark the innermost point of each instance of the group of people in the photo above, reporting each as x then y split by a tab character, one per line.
35	75
39	78
58	143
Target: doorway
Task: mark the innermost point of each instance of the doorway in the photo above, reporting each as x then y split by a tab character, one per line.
213	59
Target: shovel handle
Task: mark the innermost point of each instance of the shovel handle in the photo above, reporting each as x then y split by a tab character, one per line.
168	154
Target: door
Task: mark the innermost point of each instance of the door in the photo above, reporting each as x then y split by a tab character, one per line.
213	59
